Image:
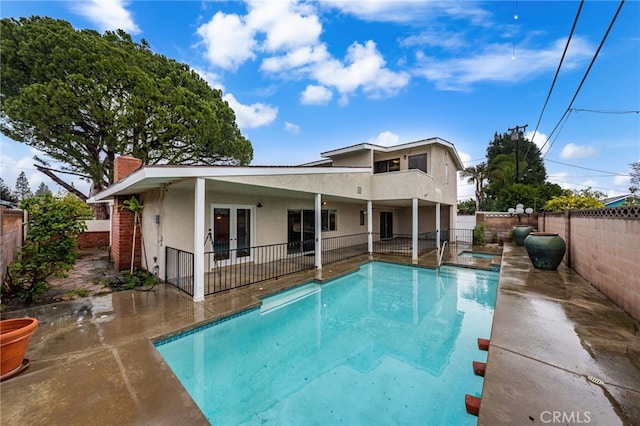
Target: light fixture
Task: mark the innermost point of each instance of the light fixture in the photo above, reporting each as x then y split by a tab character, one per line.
259	205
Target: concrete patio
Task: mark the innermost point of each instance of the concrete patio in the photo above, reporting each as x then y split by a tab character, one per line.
93	360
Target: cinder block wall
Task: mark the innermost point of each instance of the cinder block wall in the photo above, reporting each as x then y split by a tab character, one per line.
603	247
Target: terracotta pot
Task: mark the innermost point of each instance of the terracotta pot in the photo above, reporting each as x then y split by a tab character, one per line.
519	233
14	338
545	249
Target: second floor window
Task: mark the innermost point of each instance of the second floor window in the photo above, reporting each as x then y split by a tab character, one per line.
418	162
385	166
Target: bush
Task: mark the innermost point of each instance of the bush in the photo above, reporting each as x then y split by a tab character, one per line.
478	234
53	226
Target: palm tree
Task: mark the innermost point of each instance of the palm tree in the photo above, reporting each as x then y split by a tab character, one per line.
476	175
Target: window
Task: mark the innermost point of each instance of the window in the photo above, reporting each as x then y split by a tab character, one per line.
328	220
446	173
385	166
418	162
363	217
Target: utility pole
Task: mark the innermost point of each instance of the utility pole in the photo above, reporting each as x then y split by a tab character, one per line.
515	135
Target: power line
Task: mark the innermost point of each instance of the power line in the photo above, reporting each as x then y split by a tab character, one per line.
553	83
587	168
582	184
605	111
604	38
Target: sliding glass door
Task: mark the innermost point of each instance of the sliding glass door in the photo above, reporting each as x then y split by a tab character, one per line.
301	231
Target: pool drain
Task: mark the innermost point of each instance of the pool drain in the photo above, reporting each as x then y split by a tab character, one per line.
595	380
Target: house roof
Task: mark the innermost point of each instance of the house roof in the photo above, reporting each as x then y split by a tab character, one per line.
612	200
156	176
380	148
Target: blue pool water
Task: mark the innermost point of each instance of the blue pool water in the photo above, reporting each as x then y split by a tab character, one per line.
477	255
388	344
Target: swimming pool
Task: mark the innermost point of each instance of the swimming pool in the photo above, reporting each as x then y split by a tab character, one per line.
477	255
388	344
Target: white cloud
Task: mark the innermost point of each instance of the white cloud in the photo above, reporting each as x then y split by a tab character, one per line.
572	151
495	64
251	116
365	69
622	180
291	128
385	138
540	139
108	14
20	159
315	95
285	23
229	41
296	58
290	31
407	10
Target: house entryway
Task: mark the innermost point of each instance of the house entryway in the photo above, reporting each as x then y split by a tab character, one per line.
386	225
233	230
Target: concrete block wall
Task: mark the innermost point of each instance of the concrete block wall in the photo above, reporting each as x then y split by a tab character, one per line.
604	249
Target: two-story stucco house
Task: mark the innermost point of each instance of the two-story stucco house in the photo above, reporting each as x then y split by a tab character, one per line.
205	226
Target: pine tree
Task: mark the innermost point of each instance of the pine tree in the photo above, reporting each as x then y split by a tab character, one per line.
6	194
23	190
42	189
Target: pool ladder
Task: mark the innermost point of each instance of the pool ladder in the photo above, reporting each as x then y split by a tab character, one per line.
444	244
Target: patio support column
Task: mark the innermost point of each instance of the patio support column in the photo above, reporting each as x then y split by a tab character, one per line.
414	229
318	231
438	226
370	226
198	242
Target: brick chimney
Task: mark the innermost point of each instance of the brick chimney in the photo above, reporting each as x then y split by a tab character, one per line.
124	165
122	221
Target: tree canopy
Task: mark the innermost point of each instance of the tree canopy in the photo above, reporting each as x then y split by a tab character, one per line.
83	98
514	162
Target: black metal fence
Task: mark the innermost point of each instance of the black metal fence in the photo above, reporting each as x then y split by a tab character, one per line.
458	236
226	269
402	244
178	268
335	249
229	269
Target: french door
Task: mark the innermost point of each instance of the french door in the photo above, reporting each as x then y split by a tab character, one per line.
232	233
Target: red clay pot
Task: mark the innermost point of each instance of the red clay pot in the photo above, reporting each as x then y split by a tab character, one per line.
14	338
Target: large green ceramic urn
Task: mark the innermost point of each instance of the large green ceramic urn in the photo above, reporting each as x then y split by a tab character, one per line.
519	233
545	249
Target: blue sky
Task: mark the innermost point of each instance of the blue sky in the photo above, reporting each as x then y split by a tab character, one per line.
307	77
